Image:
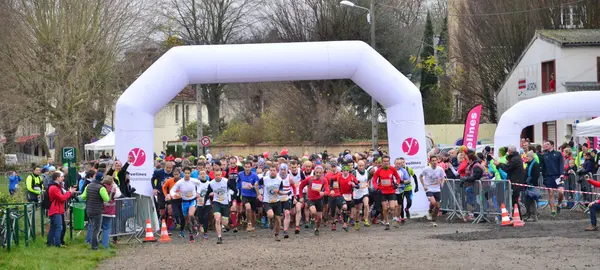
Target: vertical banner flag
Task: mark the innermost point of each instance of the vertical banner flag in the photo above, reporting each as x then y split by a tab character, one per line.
472	127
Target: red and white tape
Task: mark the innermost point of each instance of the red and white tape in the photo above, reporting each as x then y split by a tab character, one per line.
545	188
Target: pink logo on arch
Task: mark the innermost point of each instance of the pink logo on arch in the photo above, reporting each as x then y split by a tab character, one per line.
410	146
136	157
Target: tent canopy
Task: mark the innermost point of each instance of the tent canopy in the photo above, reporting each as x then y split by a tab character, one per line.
106	143
589	128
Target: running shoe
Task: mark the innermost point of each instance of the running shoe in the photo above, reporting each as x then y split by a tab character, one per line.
297	231
402	221
182	234
357	226
395	219
196	232
219	240
558	210
235	230
434	224
277	238
205	236
429	216
553	214
351	222
191	239
367	224
591	228
387	226
407	213
306	226
345	226
317	232
333	227
285	235
249	228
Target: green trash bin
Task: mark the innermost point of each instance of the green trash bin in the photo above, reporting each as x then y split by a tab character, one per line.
79	215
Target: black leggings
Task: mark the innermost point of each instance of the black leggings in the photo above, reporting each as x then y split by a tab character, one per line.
408	196
202	213
516	193
375	199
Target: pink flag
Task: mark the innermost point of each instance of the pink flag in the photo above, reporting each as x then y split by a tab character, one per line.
472	127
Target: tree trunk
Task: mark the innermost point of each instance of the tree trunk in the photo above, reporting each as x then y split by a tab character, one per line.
214	113
10	147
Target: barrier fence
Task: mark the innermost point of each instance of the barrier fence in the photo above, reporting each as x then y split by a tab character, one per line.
125	222
481	198
18	220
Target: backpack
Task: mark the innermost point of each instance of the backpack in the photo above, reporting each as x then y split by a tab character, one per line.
45	198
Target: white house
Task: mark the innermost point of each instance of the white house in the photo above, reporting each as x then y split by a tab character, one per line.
571	57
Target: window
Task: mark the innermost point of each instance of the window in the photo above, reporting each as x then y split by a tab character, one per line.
176	113
548	77
598	68
187	113
549	131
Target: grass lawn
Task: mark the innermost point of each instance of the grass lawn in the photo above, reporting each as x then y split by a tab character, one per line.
77	255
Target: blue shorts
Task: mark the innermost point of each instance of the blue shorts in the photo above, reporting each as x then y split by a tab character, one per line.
550	182
185	206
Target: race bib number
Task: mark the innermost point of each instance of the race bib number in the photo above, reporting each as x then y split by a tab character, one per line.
347	197
284	199
188	194
201	201
248	186
220	197
317	187
363	185
272	200
336	184
386	182
37	188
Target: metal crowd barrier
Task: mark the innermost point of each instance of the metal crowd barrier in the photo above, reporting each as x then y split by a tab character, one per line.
11	217
125	222
483	199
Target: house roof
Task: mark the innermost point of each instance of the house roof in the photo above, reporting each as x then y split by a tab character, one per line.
571	37
582	86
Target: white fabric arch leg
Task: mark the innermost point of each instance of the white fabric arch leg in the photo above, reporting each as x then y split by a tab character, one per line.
186	65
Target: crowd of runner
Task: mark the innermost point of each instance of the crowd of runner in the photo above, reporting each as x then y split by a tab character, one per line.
288	193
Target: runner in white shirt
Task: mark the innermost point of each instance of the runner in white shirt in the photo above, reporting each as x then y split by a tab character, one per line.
186	189
272	186
298	176
218	189
203	209
432	179
361	196
287	199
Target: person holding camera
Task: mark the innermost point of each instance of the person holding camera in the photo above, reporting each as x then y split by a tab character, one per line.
56	211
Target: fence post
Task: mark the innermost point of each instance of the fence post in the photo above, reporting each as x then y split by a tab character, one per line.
33	208
8	229
16	232
42	220
26	221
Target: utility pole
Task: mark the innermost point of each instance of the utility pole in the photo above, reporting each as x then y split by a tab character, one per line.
374	112
199	121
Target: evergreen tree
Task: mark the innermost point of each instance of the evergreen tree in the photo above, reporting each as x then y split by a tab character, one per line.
428	77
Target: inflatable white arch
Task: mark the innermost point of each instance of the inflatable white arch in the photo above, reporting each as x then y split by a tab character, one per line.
186	65
542	109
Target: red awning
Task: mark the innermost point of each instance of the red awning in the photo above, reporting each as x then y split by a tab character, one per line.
26	138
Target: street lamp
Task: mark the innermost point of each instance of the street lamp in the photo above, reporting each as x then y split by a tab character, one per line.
374	114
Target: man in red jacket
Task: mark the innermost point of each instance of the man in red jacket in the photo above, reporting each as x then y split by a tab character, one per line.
386	180
318	187
57	208
341	195
593	207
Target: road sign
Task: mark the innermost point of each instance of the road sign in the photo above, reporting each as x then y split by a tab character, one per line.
69	154
184	144
205	141
184	138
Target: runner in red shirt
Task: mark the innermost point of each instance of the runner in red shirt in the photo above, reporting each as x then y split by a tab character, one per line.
318	187
307	171
332	172
341	195
385	180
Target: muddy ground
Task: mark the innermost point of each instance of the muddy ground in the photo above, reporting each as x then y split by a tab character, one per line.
546	244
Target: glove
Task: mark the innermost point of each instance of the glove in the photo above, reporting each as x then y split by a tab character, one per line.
416	190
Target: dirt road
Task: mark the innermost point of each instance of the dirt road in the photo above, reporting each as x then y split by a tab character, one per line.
547	244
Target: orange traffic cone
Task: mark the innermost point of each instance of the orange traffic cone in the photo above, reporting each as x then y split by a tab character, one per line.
164	234
149	232
505	219
517	222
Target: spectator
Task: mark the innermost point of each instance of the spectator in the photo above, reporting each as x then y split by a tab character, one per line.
50	161
14	180
34	185
453	158
581	155
532	195
118	172
475	171
515	171
110	209
89	177
95	195
48	176
463	162
56	211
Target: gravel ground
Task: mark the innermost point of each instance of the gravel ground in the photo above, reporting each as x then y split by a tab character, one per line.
546	244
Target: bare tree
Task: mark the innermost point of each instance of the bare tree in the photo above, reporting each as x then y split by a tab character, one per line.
63	58
202	22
